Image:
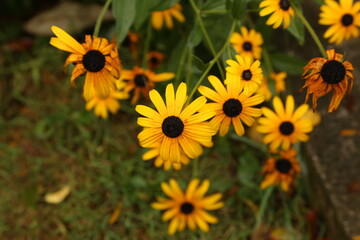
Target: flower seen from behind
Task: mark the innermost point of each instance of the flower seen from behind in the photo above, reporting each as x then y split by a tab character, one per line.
265	90
189	208
325	74
343	19
286	125
141	81
96	57
159	17
279	79
231	106
280	10
247	43
174	127
244	74
281	170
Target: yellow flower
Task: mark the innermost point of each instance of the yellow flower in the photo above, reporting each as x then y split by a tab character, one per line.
158	17
155	153
265	90
281	170
244	74
142	81
285	126
279	79
188	209
111	104
281	12
96	57
248	43
231	106
343	19
174	127
323	75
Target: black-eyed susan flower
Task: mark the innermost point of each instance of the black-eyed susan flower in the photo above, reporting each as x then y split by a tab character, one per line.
248	43
285	126
159	17
323	75
343	19
189	208
280	10
279	79
96	57
231	106
110	104
154	59
132	43
281	170
142	81
244	74
154	153
265	90
174	127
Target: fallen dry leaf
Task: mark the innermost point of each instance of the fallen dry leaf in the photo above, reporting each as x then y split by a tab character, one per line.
58	196
349	132
115	216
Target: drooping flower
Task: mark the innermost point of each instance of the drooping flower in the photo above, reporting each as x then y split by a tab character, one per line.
279	79
343	19
281	170
231	106
154	59
285	126
280	10
142	81
248	43
96	57
325	74
244	74
159	17
189	208
174	127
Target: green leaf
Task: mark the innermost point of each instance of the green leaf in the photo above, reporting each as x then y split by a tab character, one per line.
124	13
296	29
143	10
289	64
214	5
198	66
195	36
163	4
237	8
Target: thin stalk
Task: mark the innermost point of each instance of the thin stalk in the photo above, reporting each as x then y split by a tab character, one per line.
263	206
101	17
310	29
206	36
147	44
211	63
180	66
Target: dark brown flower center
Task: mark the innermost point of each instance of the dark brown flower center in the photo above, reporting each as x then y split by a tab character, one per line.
94	61
232	107
333	72
246	75
286	128
187	208
247	46
284	5
154	60
172	127
283	165
141	80
347	20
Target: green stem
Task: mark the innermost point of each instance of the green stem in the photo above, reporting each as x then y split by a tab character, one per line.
180	66
250	142
263	206
206	36
189	67
211	63
310	29
147	44
101	17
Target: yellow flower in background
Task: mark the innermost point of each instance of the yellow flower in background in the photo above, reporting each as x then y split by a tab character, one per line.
279	79
142	81
265	90
96	57
159	17
167	165
174	127
111	104
154	59
343	19
325	74
248	43
244	74
231	106
281	170
285	126
280	10
189	208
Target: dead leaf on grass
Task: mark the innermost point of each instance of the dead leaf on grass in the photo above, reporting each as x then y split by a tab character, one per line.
115	216
58	196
